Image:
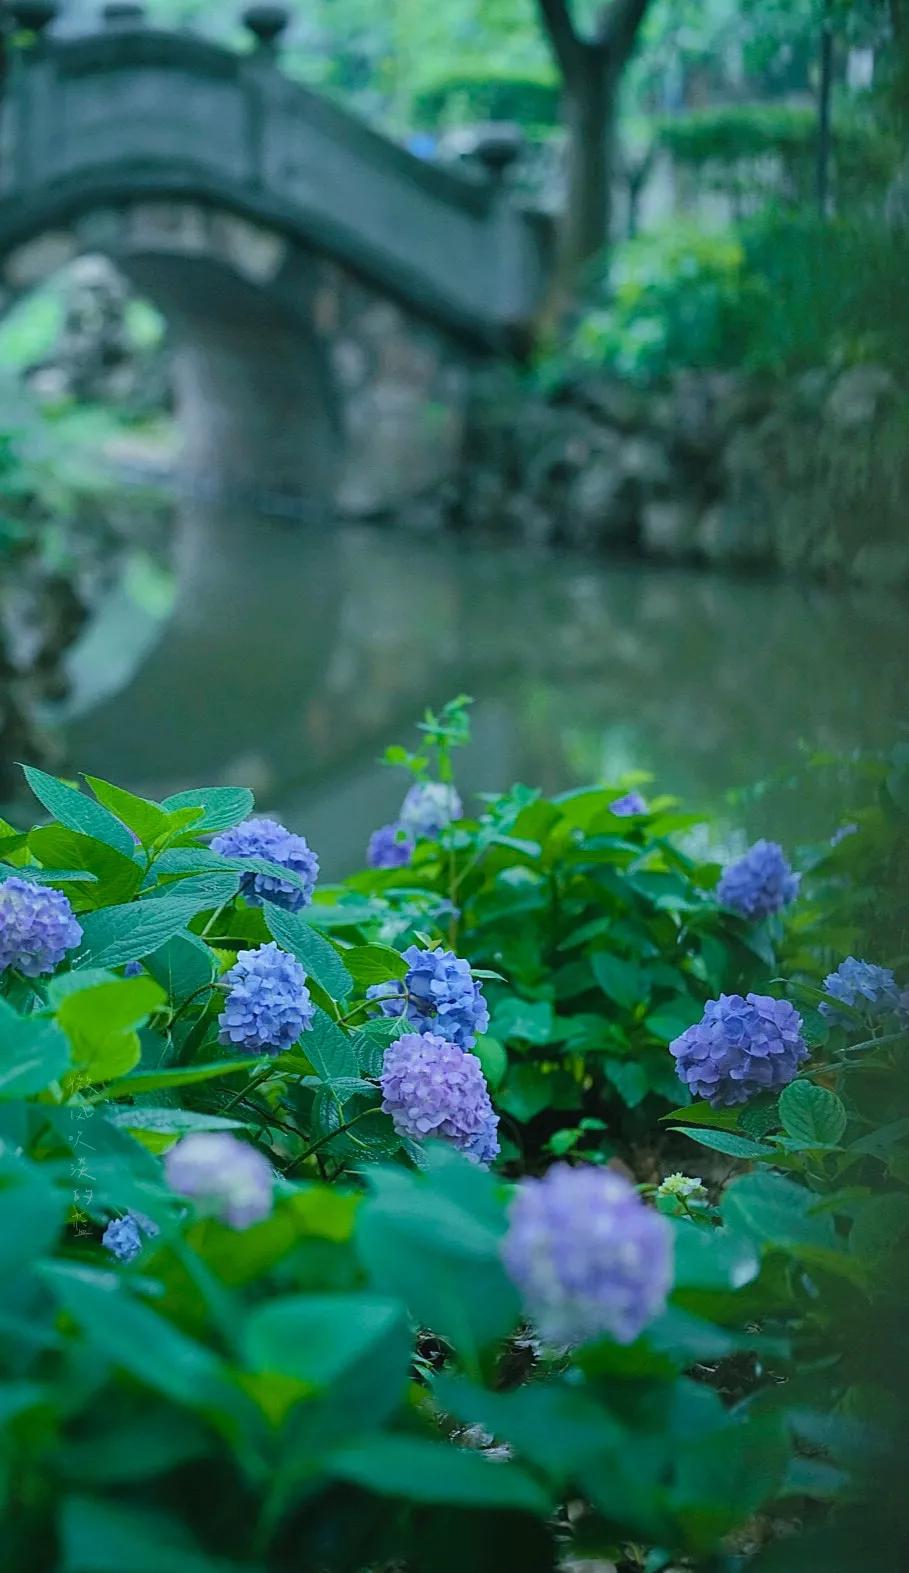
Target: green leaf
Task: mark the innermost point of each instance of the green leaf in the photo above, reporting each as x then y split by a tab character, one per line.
100	1022
72	808
526	1092
727	1141
140	1082
810	1113
33	1053
704	1114
117	876
315	953
149	822
369	964
31	1213
222	807
670	1020
776	1212
206	891
629	1078
128	933
494	1060
329	1050
317	1338
622	981
182	966
712	1258
423	1471
531	1020
110	1537
172	1121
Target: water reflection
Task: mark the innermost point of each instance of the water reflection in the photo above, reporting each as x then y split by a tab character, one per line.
291	656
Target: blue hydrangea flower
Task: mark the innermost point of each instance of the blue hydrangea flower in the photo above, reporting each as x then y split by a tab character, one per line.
431	1088
268	1004
740	1047
428	807
226	1177
439	994
123	1238
389	847
37	927
589	1257
265	838
631	803
133	969
758	883
868	988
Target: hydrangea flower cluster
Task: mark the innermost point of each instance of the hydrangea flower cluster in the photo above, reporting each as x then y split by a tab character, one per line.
389	847
123	1236
268	1003
868	988
684	1186
631	803
37	927
589	1257
740	1047
265	838
428	807
758	883
439	994
431	1088
225	1176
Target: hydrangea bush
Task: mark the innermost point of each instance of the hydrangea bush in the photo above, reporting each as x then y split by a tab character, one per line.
283	1264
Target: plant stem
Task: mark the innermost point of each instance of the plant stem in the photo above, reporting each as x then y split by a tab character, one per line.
328	1137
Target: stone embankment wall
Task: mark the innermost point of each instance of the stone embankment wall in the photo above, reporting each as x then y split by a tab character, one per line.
718	468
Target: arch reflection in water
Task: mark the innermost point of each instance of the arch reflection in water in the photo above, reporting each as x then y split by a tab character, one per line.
293	655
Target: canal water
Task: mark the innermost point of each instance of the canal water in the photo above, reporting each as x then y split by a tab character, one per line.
285	658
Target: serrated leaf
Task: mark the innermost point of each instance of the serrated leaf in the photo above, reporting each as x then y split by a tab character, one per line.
76	811
316	954
811	1113
726	1141
33	1054
329	1050
127	933
222	807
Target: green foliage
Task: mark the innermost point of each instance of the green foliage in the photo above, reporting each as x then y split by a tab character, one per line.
324	1388
777	296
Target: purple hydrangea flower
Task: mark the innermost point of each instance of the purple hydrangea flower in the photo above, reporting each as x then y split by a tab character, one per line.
225	1176
740	1047
265	838
37	927
589	1257
389	847
123	1238
631	803
758	883
868	988
428	807
431	1088
439	994
268	1003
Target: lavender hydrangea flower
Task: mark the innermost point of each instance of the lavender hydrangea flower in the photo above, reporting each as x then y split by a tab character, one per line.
431	1088
439	994
37	927
868	988
268	1003
758	883
631	803
588	1256
225	1176
428	807
740	1047
265	838
389	847
123	1238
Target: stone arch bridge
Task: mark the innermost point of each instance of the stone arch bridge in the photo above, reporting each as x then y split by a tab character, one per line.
328	293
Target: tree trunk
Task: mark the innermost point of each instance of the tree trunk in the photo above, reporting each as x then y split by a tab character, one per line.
590	113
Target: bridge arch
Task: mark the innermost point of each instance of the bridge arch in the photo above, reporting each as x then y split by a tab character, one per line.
328	292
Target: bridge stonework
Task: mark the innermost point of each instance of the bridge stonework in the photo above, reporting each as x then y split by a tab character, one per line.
328	294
